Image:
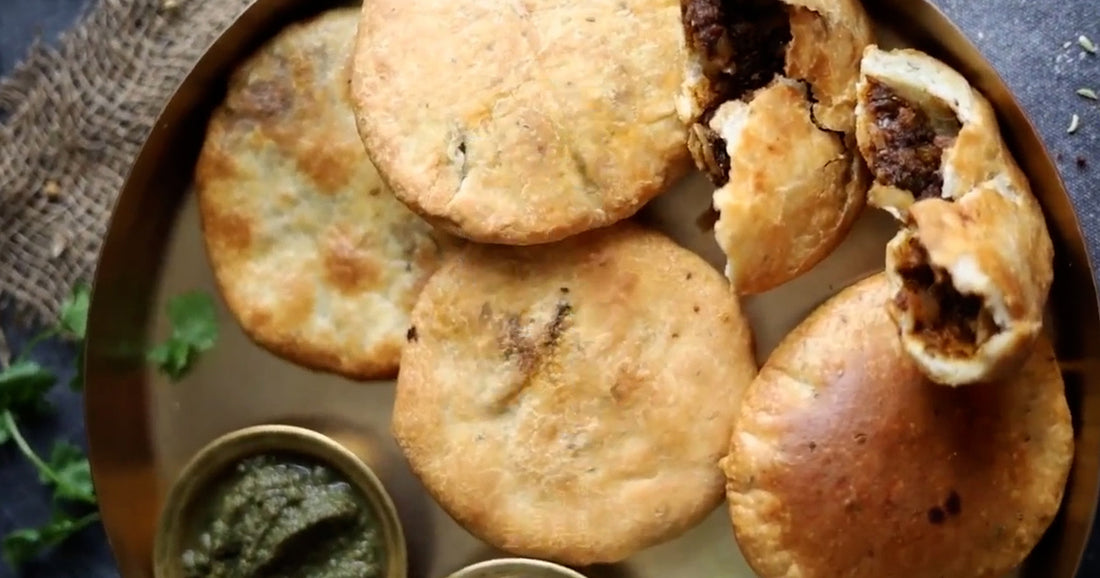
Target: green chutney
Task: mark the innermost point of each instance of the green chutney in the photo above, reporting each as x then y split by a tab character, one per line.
285	518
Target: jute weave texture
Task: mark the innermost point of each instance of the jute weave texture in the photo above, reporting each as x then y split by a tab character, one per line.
73	116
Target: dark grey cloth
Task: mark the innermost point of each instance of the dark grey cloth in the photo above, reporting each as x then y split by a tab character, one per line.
23	500
22	21
1023	38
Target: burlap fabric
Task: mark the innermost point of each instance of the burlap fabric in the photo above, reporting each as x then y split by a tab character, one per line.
72	118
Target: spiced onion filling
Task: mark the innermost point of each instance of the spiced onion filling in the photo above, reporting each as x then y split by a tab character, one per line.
908	140
947	321
742	46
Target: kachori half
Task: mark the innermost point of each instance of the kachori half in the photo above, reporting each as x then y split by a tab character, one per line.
769	96
972	268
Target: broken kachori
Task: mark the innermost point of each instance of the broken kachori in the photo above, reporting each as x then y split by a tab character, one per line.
923	130
971	269
571	401
313	255
847	461
524	122
769	96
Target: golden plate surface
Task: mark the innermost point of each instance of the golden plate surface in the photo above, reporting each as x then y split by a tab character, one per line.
143	429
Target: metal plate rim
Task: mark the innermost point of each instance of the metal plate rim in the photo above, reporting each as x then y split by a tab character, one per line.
111	355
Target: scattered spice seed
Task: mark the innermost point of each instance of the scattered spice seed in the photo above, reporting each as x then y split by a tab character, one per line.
1086	44
1082	163
59	244
52	189
1087	93
1067	44
1073	124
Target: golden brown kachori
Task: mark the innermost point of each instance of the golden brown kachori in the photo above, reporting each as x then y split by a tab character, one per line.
521	122
847	461
313	255
571	401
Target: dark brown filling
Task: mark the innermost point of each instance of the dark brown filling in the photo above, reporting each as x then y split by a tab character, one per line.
708	148
949	322
907	144
742	45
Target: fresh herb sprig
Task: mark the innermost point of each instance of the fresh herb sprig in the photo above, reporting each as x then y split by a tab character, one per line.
22	546
24	385
194	323
68	473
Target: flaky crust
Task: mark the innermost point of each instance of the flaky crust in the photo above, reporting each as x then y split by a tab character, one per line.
521	123
827	42
977	154
314	257
847	462
793	189
571	401
985	231
790	181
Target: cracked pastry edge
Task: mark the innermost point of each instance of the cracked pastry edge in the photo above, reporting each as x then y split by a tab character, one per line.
967	278
826	188
715	123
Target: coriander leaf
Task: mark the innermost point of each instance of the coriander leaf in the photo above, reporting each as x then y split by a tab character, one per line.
194	323
74	324
72	475
22	546
194	320
173	358
23	387
74	312
68	471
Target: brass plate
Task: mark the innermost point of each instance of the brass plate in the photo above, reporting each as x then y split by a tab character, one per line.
143	429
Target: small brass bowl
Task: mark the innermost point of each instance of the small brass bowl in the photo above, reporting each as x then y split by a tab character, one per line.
215	460
516	568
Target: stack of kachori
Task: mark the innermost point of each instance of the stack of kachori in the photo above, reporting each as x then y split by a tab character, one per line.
445	192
